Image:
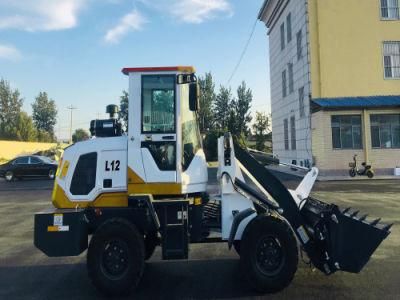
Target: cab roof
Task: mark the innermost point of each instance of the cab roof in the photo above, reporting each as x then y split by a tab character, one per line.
188	69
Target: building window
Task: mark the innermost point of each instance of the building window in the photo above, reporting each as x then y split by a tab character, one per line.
291	81
391	59
299	46
286	133
385	131
301	101
84	178
346	132
390	9
289	27
283	36
284	88
293	132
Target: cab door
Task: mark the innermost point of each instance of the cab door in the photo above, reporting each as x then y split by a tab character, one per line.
158	127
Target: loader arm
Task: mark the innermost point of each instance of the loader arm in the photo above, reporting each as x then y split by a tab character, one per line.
333	239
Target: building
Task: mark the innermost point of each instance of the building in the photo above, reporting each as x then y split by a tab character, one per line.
335	82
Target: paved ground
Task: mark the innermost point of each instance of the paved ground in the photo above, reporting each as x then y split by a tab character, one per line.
212	271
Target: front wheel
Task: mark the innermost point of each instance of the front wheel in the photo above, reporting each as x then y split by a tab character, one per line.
269	254
370	173
352	173
9	176
115	258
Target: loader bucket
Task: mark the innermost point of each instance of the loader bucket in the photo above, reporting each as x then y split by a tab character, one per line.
350	239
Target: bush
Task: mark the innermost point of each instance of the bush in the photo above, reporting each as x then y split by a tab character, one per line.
210	144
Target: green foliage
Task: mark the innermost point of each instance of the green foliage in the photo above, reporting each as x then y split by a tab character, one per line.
261	127
221	108
25	129
44	116
241	110
10	108
123	110
207	98
210	144
80	135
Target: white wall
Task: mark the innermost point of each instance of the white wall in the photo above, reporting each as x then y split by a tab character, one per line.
289	106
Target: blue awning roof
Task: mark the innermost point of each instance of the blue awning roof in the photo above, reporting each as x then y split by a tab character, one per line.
357	102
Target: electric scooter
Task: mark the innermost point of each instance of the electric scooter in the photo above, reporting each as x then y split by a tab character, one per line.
366	170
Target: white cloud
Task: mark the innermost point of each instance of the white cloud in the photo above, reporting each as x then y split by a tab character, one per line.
133	21
198	11
9	52
40	15
191	11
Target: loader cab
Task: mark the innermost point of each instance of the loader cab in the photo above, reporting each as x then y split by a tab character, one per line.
165	155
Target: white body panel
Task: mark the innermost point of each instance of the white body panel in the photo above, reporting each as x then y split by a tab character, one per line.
195	178
231	200
107	149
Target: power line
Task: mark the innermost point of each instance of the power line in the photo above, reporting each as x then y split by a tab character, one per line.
243	52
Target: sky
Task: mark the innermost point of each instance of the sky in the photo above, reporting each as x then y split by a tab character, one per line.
75	49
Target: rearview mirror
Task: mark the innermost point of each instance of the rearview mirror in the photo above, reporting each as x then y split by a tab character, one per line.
194	96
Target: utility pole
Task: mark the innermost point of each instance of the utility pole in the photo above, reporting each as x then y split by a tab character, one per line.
71	108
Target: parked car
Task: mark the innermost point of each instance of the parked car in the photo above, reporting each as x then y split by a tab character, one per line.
28	166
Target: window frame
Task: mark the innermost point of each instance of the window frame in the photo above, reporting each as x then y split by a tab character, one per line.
352	132
283	36
379	131
286	133
293	135
142	102
388	8
299	42
289	33
290	78
302	111
391	66
284	84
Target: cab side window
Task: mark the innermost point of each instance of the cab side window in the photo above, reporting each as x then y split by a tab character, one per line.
84	178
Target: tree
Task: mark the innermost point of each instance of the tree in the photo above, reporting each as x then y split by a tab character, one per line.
25	129
207	98
80	135
10	107
261	127
123	110
44	115
241	108
221	107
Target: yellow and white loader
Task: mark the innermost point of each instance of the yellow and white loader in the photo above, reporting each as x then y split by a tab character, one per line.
128	193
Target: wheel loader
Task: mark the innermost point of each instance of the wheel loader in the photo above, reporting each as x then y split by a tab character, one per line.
120	195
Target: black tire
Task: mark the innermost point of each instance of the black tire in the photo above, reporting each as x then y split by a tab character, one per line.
352	173
269	254
115	258
370	173
150	243
52	174
9	176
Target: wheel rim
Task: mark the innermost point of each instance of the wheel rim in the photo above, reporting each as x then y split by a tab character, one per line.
115	259
9	175
269	256
51	174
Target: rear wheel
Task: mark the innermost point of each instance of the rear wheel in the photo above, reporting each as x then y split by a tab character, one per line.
269	254
115	258
52	173
9	176
370	173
